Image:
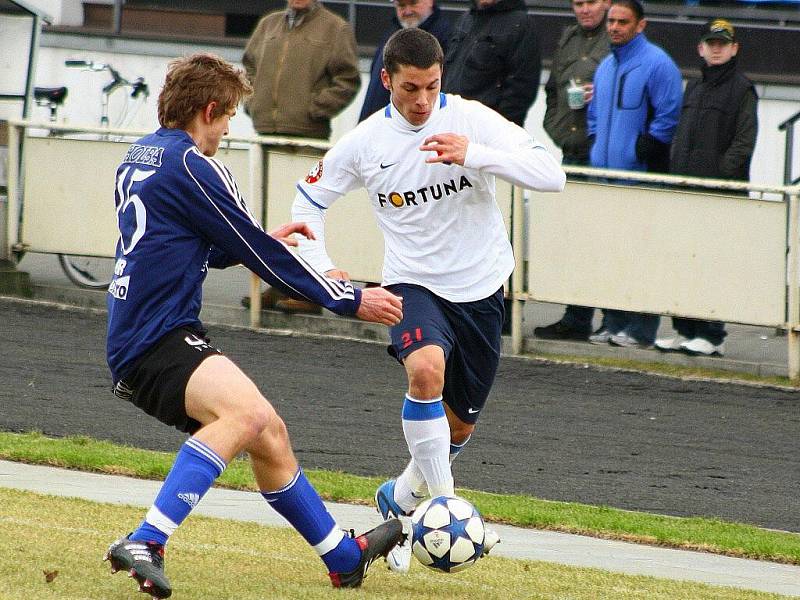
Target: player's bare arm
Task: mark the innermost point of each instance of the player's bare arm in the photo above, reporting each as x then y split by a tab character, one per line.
449	148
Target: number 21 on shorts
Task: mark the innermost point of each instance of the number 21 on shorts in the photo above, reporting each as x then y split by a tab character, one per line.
408	339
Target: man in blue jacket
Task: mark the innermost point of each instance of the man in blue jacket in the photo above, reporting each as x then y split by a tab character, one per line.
408	13
632	118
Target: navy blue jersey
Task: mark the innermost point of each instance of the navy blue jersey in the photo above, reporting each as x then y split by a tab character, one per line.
179	213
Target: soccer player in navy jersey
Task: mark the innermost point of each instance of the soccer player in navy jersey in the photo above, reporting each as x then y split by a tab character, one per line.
428	161
180	212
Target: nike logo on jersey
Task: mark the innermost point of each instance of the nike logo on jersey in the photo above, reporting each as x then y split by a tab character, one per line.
383	166
472	411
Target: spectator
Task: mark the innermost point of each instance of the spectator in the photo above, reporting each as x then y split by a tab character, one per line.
581	48
632	118
303	66
493	57
408	13
715	138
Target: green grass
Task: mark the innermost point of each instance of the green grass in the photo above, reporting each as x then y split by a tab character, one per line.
668	369
50	549
710	535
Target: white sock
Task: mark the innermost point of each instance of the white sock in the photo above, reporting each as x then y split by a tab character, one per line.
410	487
427	434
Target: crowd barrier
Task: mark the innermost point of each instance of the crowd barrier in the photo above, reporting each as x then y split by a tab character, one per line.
723	250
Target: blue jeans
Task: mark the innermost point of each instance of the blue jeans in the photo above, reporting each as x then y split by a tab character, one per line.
640	326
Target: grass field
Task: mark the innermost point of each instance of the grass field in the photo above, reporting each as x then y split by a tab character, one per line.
690	533
51	548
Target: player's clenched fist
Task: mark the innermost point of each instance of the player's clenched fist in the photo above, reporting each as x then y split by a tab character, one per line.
380	306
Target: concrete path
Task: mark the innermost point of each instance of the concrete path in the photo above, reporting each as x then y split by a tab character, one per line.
516	542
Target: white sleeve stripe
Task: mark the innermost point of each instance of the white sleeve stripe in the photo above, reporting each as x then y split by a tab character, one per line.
335	287
324	281
230	185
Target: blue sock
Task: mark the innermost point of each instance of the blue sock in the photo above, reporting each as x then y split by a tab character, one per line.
299	503
194	471
455	449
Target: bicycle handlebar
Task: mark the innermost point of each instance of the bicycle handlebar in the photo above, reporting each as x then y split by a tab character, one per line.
138	87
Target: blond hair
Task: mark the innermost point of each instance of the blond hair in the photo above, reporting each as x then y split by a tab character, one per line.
193	82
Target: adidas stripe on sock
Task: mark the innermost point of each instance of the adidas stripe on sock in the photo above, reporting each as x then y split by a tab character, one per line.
194	471
299	503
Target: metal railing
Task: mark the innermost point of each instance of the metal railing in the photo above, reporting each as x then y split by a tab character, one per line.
267	167
788	156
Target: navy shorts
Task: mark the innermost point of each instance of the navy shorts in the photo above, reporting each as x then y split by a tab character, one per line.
157	382
468	332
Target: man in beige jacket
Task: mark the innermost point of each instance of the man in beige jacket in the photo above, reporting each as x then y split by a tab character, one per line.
303	66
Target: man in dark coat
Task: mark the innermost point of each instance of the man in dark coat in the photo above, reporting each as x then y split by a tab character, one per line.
715	138
493	57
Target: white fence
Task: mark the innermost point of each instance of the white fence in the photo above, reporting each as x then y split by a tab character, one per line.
711	255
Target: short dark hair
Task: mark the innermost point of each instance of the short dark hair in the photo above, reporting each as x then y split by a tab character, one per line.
635	6
412	47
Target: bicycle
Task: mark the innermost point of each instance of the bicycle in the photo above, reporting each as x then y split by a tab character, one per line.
92	272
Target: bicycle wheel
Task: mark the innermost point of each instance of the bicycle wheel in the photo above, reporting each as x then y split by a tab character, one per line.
88	272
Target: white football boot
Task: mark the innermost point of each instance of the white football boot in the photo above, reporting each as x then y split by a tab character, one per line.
490	539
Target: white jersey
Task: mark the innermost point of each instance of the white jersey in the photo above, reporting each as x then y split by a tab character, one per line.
441	224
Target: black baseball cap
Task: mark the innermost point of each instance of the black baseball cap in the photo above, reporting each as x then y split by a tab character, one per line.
718	29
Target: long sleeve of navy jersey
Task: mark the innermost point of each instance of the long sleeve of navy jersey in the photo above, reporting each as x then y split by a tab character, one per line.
222	219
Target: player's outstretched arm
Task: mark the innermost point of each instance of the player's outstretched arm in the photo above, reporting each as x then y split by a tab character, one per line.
379	305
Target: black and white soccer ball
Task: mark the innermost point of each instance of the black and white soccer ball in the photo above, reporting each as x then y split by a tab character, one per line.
447	534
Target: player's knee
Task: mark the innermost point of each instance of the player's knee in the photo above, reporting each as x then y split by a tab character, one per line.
255	420
460	432
426	380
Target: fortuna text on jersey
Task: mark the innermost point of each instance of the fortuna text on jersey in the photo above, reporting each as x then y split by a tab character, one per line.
431	192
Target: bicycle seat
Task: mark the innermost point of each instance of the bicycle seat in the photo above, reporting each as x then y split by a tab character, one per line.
55	95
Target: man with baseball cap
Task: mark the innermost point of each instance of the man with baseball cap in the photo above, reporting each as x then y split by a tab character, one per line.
715	138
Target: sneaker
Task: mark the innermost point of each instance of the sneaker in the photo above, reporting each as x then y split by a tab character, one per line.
144	561
399	557
268	299
490	539
374	543
601	336
673	344
291	305
623	340
559	331
384	499
702	347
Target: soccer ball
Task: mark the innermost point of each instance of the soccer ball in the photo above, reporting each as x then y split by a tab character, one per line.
447	534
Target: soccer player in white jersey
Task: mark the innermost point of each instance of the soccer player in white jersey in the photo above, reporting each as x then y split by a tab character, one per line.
180	212
428	162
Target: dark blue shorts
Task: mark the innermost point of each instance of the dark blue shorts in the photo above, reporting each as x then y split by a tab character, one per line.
468	332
